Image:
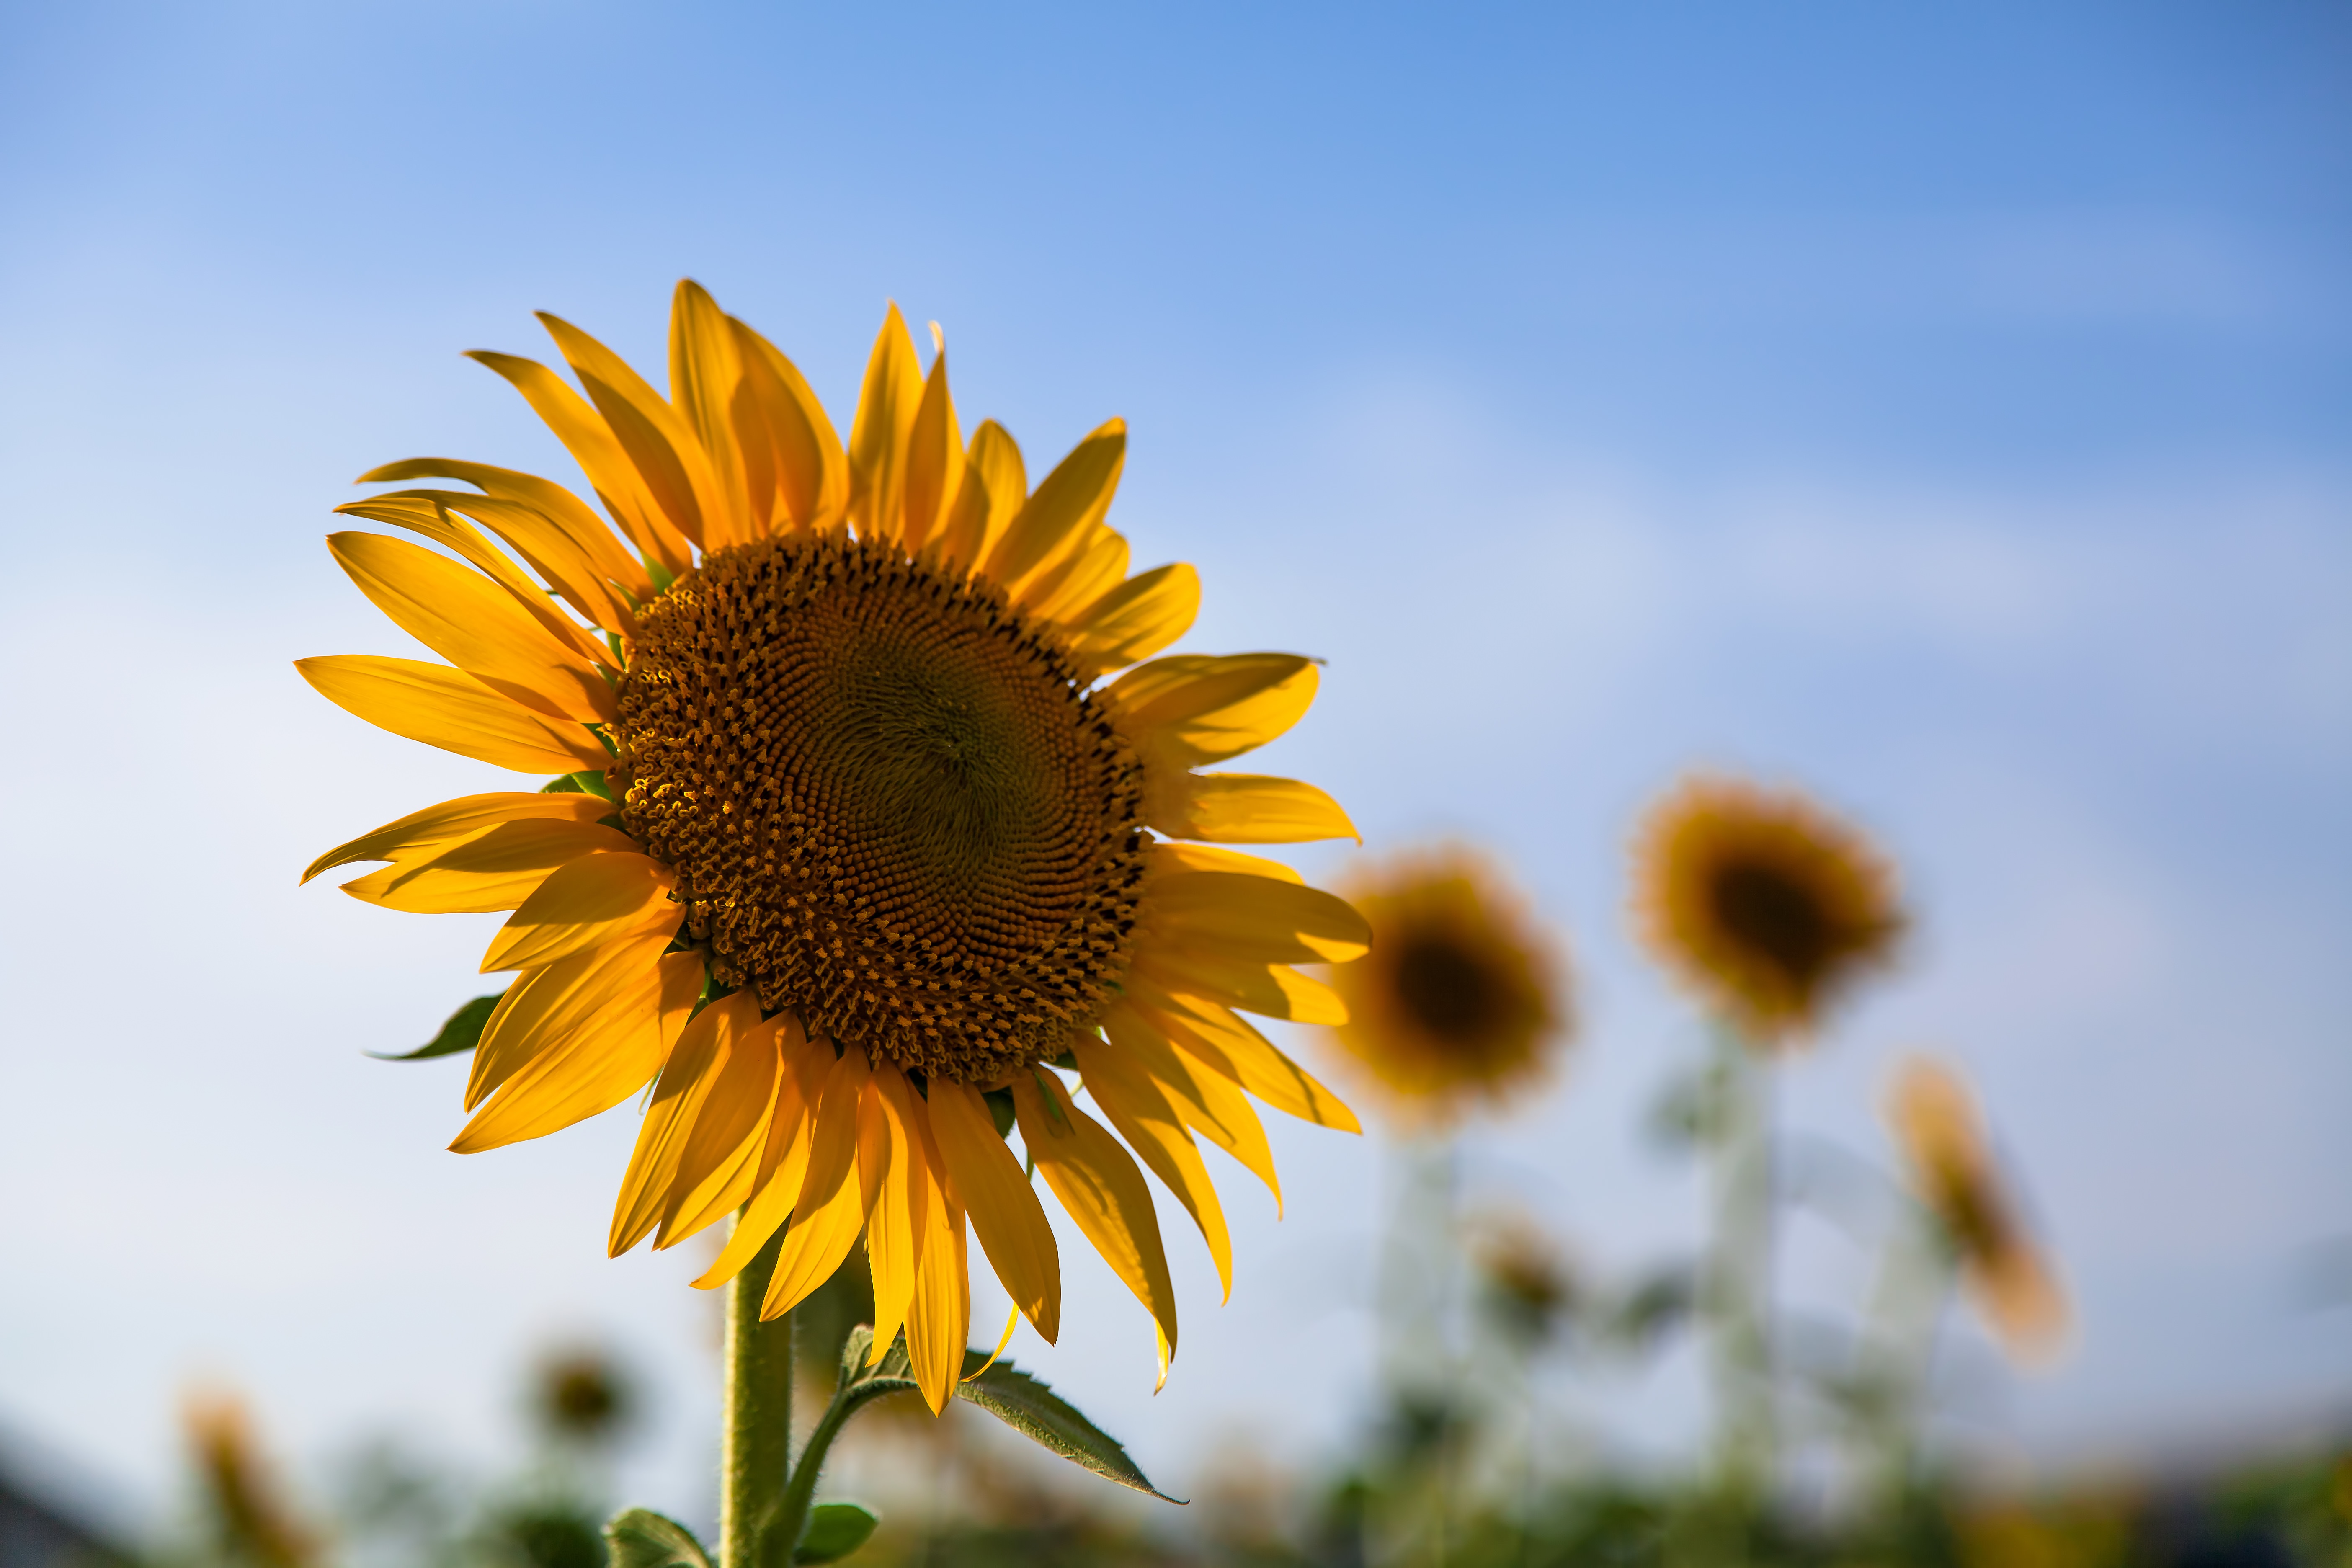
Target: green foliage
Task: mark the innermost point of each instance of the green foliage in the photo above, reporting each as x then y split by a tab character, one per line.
463	1032
1038	1414
834	1530
640	1537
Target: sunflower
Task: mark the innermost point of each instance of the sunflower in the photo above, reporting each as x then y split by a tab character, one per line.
1935	1121
852	836
1766	904
1463	998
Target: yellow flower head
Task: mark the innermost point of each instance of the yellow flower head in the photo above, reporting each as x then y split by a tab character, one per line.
1464	998
1935	1121
1764	903
853	831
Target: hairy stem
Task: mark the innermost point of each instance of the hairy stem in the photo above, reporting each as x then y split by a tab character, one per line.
755	1454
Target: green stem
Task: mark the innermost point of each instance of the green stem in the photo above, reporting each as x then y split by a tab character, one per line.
1740	1275
792	1508
755	1455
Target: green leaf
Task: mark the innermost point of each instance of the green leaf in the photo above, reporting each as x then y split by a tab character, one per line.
640	1537
586	781
463	1032
893	1369
834	1530
1000	1111
1034	1411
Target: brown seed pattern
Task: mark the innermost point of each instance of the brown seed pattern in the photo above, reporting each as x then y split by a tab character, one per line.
892	802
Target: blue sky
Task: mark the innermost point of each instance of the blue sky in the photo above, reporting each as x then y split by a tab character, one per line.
1946	409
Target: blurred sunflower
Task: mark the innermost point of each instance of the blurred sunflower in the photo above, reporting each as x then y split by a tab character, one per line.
839	765
1936	1124
1464	998
1764	902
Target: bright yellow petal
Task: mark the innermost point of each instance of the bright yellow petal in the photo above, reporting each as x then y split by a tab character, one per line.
995	487
475	625
547	1006
1218	1039
1205	708
1269	990
613	1053
786	439
455	819
1144	1117
424	512
1083	575
1210	1102
878	436
939	1318
450	708
1004	1205
1137	618
1100	1189
600	456
686	1081
705	371
890	1170
585	903
1062	512
495	869
1168	860
1255	918
659	445
1250	808
934	459
784	1161
587	531
546	546
831	1209
730	1118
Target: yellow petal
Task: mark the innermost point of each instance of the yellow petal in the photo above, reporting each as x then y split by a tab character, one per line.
878	436
547	1006
939	1318
593	445
1148	1122
450	708
1205	708
1137	618
784	1161
1083	575
719	1166
831	1209
475	625
934	459
454	819
1099	1189
546	546
1209	1102
1064	510
1214	1036
585	529
610	1055
786	439
1168	860
705	369
1255	918
423	511
670	462
495	869
1270	990
1250	808
585	903
995	487
1004	1205
686	1081
891	1171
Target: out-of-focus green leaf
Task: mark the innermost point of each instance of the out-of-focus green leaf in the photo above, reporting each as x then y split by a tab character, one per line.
1000	1111
834	1530
640	1537
1038	1414
463	1032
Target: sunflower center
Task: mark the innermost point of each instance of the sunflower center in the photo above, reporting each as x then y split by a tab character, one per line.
1777	917
891	804
1449	991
